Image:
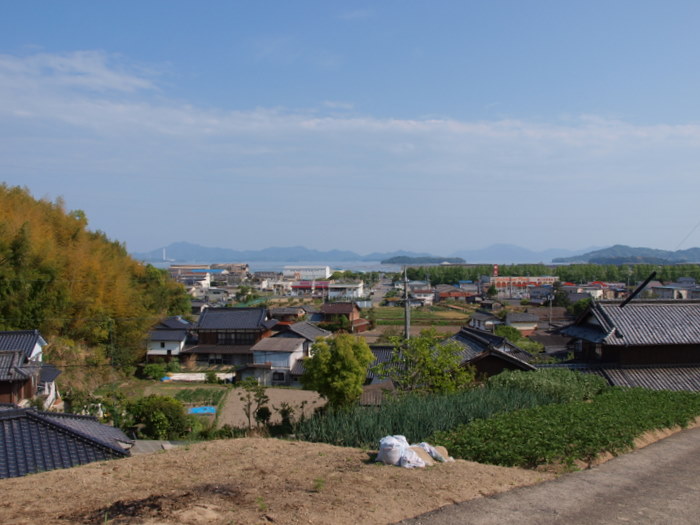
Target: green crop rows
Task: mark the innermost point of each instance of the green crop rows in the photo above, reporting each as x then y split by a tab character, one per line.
564	433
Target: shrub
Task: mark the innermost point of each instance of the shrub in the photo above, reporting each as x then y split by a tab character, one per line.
211	377
158	417
564	385
154	371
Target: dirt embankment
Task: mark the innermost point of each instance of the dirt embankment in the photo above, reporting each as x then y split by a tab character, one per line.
249	481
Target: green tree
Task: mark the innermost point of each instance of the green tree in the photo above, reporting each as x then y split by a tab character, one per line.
337	368
426	364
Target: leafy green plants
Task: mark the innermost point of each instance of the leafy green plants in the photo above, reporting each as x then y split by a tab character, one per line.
415	416
568	432
564	385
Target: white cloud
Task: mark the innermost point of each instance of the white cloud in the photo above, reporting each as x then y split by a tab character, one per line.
90	120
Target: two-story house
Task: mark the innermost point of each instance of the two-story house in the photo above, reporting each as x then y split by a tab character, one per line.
225	336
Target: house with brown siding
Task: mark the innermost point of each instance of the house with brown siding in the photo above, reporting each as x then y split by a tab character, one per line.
645	332
225	336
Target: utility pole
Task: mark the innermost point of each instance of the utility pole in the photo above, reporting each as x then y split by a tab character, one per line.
406	306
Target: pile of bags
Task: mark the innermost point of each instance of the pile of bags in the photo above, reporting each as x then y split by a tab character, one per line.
395	450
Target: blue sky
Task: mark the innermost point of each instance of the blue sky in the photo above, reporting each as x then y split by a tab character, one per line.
369	126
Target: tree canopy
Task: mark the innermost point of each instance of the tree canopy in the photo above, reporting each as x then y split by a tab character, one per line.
337	368
426	364
65	280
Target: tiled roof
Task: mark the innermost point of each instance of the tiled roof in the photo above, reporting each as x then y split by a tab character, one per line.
235	319
308	331
652	377
32	441
521	317
640	323
174	323
475	342
167	335
24	340
48	373
11	368
338	308
278	344
287	310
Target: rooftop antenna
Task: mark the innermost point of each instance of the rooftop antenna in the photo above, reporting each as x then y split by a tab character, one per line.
641	287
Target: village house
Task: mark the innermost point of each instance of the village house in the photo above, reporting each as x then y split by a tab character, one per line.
23	375
225	336
484	320
337	313
288	314
353	290
523	322
643	332
167	339
426	296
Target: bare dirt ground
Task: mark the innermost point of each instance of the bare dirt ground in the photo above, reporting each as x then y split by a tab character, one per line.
255	481
232	412
371	336
249	481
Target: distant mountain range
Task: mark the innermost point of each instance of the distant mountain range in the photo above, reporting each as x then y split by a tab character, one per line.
621	254
189	252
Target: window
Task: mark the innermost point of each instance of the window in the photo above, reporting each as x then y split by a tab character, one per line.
278	377
162	344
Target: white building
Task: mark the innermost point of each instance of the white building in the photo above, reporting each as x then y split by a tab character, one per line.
306	273
346	290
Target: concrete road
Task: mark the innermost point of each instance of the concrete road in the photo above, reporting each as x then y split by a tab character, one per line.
659	484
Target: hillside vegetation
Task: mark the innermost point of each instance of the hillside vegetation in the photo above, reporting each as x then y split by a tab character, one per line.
75	285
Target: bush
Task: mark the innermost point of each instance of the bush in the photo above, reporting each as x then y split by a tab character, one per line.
564	433
211	377
564	385
158	417
154	371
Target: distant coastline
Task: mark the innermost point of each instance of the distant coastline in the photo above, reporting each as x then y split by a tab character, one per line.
402	259
277	266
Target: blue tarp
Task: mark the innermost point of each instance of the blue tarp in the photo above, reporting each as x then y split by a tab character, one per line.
202	410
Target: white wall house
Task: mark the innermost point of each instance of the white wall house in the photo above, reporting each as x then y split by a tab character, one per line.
346	290
274	358
304	273
168	338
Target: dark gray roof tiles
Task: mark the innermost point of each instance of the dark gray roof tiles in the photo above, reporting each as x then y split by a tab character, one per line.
521	317
24	340
167	335
678	378
48	373
475	342
640	323
308	331
278	344
32	441
235	319
11	366
174	323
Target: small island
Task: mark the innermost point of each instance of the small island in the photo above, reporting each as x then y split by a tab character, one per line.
403	259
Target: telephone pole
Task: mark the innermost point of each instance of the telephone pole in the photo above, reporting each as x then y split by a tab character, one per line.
406	306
